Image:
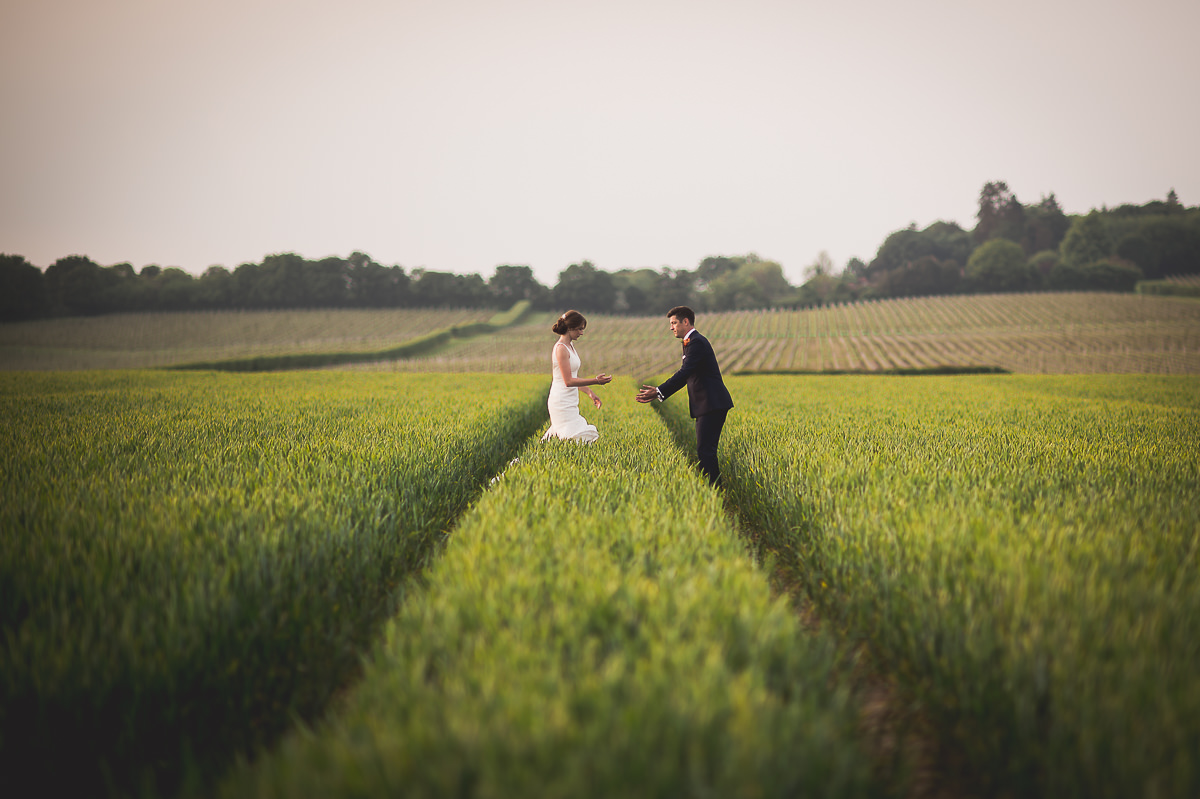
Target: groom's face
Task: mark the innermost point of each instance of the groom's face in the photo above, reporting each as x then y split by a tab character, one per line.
679	327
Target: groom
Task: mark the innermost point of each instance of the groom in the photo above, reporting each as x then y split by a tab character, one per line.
708	399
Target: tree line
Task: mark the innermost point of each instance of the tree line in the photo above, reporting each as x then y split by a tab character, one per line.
1018	247
1013	247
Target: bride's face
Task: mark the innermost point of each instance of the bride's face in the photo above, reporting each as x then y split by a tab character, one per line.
575	332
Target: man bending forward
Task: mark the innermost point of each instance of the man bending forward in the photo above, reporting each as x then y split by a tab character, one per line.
708	399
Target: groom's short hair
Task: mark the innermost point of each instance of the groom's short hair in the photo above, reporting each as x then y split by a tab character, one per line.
683	312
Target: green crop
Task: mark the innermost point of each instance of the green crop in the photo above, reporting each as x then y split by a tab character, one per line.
190	563
595	627
1020	553
189	560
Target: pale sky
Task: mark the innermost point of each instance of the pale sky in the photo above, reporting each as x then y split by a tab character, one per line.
457	135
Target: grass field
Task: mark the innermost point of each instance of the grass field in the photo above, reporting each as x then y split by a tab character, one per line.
595	628
1022	555
194	565
190	560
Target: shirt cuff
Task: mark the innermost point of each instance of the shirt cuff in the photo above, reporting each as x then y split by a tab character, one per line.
661	398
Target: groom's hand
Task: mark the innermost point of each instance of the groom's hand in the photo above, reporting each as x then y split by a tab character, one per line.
647	393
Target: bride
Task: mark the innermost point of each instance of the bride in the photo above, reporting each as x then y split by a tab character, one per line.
565	421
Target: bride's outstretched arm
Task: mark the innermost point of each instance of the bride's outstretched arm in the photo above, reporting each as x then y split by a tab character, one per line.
580	382
564	368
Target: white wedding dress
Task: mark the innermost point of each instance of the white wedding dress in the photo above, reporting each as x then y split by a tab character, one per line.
565	421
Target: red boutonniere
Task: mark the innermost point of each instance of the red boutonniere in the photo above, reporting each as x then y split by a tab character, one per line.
685	342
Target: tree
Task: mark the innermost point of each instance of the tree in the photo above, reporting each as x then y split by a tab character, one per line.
77	285
675	287
926	276
997	265
22	290
326	283
1113	274
735	291
913	262
637	291
942	240
372	285
771	281
819	282
1041	264
714	266
174	290
448	290
1137	249
278	282
1000	214
1174	245
511	284
473	291
1087	240
1065	276
1107	274
1170	207
821	267
755	283
215	288
1045	225
856	269
585	288
283	283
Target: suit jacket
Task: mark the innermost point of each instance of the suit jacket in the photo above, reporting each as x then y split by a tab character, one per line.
702	376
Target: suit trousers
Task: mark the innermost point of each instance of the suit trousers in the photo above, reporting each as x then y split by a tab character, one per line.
708	436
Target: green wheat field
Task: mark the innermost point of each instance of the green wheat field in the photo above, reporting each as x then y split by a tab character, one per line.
376	580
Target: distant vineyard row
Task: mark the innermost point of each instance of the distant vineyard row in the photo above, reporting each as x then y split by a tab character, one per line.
137	340
1027	333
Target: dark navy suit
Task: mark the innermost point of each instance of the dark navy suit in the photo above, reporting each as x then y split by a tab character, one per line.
708	399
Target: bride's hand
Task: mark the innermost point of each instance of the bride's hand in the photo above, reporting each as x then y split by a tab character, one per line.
602	379
596	401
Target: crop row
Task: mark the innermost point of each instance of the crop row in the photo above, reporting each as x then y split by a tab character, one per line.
189	560
594	627
1022	554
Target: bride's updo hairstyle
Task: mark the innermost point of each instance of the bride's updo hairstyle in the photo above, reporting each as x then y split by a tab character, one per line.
569	320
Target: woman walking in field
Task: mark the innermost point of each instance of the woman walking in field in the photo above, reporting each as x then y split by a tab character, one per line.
565	421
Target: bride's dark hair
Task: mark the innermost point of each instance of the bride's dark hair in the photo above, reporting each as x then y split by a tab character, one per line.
569	320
